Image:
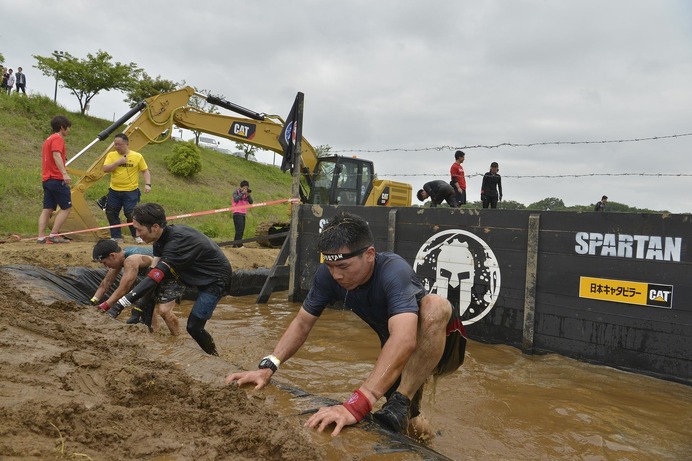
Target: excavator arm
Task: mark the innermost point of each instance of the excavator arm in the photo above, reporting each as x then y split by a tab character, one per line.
154	124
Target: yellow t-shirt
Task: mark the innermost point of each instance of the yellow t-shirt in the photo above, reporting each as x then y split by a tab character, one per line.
125	177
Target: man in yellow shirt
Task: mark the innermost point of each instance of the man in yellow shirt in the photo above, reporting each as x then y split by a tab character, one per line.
124	166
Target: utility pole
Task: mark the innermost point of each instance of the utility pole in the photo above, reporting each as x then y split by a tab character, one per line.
57	55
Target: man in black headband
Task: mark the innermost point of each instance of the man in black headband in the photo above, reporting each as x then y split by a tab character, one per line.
419	333
134	261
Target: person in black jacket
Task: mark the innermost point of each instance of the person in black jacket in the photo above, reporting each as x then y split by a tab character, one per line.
438	191
182	252
491	188
600	206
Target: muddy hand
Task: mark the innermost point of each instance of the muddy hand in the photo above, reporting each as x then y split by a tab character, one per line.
325	416
258	377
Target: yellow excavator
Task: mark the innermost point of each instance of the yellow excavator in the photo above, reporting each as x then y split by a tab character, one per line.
333	180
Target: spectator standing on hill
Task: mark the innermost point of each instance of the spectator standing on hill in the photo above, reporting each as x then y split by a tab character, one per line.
190	256
458	181
10	81
600	206
21	81
56	182
491	188
241	198
438	191
420	334
124	165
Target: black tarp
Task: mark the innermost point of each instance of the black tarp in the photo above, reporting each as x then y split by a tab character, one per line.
80	283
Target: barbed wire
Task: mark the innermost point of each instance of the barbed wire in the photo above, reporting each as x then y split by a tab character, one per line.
545	175
510	144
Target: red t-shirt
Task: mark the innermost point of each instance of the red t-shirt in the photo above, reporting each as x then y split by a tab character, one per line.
54	143
457	171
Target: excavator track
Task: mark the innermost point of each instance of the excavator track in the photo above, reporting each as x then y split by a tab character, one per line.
269	229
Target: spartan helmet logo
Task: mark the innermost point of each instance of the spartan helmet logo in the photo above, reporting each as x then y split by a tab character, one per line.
462	268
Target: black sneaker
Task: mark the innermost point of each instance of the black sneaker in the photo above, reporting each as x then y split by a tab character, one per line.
395	413
135	316
115	310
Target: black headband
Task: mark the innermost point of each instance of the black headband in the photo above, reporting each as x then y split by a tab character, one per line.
103	256
341	256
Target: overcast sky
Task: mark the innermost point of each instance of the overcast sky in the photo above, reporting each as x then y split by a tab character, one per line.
404	83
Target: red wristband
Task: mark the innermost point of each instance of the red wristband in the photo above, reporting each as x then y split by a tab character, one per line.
104	306
358	405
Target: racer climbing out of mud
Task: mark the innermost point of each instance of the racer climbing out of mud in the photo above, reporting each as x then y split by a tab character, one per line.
134	261
187	254
420	334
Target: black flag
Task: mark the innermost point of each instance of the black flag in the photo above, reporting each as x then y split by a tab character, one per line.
290	133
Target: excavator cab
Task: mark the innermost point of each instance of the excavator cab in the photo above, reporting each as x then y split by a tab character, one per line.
341	181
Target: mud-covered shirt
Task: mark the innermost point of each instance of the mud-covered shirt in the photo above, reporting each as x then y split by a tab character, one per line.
393	289
143	250
196	259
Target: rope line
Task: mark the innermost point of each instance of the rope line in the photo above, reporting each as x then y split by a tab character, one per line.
185	215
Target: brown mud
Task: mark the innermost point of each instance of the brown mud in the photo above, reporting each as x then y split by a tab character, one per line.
78	386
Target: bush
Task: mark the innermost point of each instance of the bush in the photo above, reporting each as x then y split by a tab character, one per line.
185	160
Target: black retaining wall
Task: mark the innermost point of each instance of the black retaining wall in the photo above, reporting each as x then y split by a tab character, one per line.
522	271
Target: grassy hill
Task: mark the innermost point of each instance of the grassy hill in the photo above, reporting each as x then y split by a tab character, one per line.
25	123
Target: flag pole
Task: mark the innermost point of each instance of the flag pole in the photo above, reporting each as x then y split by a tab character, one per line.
295	193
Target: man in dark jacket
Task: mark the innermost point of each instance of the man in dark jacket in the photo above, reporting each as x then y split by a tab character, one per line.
183	252
491	188
438	191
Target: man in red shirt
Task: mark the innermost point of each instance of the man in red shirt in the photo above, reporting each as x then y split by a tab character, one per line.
56	182
458	181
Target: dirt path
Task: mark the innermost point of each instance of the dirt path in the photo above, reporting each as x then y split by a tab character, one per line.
77	253
78	386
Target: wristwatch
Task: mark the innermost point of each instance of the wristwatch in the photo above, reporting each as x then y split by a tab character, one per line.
270	362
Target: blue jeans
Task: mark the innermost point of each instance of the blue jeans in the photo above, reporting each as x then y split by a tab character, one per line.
205	304
125	200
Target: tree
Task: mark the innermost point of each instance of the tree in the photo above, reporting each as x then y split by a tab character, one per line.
203	106
323	150
85	78
146	87
246	149
547	204
2	59
510	205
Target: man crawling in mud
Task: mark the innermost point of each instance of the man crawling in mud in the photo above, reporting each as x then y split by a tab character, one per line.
133	261
420	334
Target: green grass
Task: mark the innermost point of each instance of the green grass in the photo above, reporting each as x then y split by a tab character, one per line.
25	123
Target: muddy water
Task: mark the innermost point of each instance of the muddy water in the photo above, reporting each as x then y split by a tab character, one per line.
501	405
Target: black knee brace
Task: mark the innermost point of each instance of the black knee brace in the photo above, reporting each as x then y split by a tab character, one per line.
195	328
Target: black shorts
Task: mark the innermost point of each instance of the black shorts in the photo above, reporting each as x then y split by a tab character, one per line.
451	360
170	290
455	347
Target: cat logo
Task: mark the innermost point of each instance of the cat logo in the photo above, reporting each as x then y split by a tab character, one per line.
243	130
384	197
660	295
